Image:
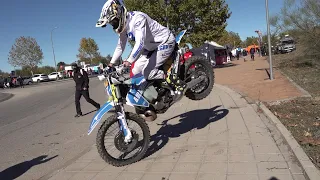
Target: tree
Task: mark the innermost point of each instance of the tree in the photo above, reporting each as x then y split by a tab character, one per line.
25	70
100	59
97	60
231	39
88	49
108	58
251	41
204	19
46	70
61	64
25	52
3	74
300	18
273	37
85	60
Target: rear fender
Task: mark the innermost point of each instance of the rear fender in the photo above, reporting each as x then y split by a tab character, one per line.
99	114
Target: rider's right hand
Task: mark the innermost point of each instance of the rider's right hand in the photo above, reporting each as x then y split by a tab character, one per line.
110	65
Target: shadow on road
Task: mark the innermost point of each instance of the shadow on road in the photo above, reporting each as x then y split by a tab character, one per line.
17	170
111	111
5	96
274	178
89	112
196	119
225	65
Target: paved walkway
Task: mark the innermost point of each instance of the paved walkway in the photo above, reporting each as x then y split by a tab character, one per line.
252	80
219	138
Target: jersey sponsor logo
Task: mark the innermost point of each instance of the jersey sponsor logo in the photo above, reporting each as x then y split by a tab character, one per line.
138	50
131	36
163	47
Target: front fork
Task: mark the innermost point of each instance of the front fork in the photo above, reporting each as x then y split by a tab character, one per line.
121	116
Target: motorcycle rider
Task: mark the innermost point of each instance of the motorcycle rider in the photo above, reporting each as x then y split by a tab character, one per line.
154	43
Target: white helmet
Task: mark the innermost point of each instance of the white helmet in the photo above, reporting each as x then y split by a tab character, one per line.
113	12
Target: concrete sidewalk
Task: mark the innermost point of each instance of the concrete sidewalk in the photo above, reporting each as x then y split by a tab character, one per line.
221	137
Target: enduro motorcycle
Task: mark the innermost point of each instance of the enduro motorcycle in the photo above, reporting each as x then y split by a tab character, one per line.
156	97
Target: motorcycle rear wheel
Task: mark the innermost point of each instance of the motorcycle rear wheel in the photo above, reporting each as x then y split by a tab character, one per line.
206	69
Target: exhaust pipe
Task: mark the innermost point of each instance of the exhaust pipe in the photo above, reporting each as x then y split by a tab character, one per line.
149	116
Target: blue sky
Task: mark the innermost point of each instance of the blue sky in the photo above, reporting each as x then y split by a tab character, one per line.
76	19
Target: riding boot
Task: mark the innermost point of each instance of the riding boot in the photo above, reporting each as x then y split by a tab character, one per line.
176	82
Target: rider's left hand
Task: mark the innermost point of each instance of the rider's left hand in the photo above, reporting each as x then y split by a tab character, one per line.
126	63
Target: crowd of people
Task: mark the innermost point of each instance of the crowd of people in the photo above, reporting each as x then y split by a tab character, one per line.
10	82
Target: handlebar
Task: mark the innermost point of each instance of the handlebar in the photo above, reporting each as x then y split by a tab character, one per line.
117	72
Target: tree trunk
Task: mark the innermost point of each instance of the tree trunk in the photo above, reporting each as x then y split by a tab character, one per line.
31	70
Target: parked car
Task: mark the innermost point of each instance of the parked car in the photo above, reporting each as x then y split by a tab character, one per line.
1	82
39	78
55	75
62	74
287	44
27	80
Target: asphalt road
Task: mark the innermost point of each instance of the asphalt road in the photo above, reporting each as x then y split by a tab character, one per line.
38	122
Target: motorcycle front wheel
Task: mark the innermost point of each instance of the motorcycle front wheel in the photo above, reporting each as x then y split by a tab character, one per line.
128	153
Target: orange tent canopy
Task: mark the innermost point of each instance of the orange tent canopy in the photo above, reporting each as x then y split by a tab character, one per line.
252	46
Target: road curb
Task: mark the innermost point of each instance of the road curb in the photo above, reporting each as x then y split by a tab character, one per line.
310	171
5	97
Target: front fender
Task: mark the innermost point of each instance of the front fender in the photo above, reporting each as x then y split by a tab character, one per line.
99	114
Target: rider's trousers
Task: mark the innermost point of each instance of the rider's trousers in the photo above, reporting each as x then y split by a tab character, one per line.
149	62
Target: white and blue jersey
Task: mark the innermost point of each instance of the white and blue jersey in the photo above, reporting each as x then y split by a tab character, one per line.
147	33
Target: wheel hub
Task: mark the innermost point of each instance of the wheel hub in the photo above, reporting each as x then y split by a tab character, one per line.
199	87
123	146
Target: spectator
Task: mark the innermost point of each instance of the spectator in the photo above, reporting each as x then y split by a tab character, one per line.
5	83
252	51
244	54
81	79
10	81
20	80
238	51
186	56
230	55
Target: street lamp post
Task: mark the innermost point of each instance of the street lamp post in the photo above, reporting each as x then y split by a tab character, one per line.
269	40
54	56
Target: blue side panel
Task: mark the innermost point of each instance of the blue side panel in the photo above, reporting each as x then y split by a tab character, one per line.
137	79
97	117
135	98
180	35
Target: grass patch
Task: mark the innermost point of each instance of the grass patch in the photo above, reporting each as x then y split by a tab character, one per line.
301	116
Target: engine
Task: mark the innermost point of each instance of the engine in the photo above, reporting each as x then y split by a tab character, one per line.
160	99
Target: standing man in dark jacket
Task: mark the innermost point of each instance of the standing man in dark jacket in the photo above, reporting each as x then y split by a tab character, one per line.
252	51
20	80
81	79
